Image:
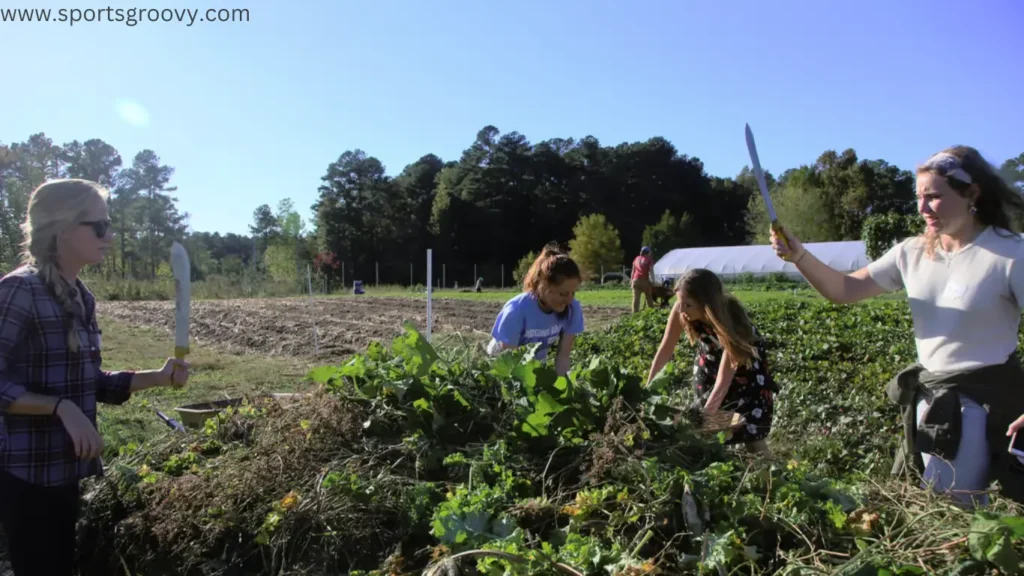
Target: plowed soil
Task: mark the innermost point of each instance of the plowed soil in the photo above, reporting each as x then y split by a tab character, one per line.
344	325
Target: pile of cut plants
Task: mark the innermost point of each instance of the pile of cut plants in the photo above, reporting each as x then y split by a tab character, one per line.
407	463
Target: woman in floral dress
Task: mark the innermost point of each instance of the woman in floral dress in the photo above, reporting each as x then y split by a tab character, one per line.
721	330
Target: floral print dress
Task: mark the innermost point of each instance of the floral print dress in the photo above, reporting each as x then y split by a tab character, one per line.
751	392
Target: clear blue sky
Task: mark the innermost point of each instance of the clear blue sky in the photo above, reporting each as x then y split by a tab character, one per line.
252	112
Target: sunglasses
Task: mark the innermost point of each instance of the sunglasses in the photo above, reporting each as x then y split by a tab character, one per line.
99	227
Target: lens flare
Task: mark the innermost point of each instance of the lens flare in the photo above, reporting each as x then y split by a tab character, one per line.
133	113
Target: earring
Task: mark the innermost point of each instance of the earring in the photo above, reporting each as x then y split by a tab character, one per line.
973	209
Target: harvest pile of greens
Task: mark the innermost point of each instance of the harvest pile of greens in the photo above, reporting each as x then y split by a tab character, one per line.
407	461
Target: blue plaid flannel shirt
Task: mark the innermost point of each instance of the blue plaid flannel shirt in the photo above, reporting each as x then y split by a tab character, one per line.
35	357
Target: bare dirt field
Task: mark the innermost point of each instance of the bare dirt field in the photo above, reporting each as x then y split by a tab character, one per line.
344	325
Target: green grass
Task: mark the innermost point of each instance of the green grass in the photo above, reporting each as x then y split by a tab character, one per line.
615	298
219	287
215	376
612	297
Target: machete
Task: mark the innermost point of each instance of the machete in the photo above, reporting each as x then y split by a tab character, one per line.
752	149
182	298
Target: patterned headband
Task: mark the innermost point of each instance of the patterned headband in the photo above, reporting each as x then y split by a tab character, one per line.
948	165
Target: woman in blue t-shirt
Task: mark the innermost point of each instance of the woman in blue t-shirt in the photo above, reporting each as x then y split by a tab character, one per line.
547	311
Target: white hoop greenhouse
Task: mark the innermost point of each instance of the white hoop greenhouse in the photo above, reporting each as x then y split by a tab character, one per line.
731	261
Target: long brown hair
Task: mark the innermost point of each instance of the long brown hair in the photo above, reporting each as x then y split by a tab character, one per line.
964	169
54	207
723	311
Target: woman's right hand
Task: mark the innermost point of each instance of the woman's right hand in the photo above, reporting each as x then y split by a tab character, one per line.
87	440
779	240
1016	425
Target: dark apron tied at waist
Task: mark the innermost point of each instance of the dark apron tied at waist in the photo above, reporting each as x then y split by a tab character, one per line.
999	389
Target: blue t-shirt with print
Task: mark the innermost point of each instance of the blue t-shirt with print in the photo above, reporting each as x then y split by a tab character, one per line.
522	322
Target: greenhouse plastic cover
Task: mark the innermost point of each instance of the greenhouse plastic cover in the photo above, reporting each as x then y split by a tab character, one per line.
728	261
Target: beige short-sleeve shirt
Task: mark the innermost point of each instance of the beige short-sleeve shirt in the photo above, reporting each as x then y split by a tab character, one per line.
966	304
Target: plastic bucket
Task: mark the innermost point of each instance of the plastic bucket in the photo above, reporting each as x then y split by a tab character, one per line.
357	287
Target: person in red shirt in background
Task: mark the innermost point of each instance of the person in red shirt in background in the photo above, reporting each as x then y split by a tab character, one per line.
642	279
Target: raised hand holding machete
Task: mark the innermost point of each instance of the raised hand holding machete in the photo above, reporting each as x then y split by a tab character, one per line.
777	229
175	370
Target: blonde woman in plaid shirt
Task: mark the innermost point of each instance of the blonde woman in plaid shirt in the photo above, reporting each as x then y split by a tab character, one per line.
50	376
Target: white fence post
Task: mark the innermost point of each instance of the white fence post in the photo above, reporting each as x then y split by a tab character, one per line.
376	271
430	293
316	333
411	283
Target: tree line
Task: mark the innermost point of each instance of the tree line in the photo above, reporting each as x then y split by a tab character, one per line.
145	215
506	197
502	200
143	210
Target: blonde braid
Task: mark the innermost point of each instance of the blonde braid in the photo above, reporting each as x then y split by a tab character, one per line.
49	271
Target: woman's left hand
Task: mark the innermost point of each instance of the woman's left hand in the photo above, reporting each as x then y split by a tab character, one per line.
174	373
